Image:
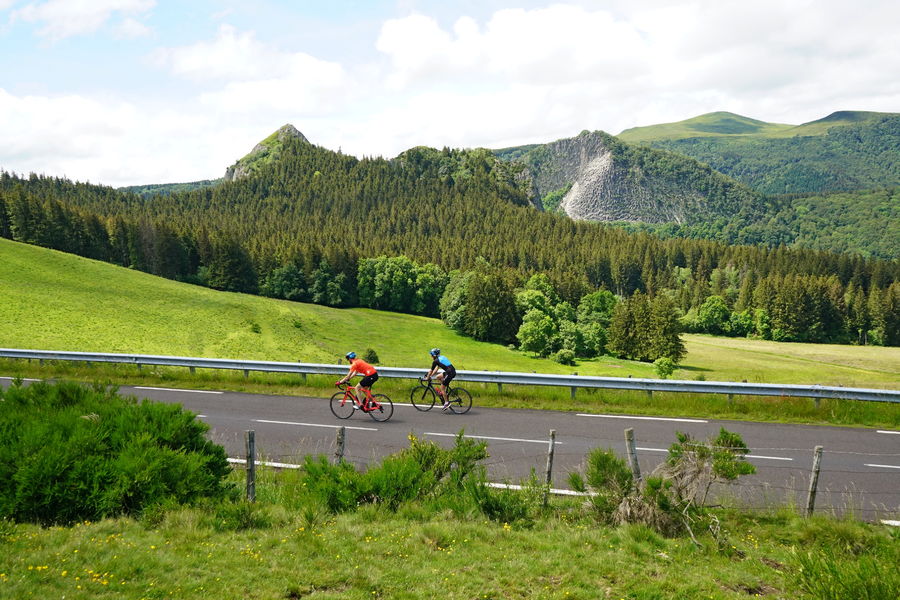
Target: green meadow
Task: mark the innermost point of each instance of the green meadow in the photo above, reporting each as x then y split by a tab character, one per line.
55	301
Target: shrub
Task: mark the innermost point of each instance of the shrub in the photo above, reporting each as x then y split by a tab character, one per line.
416	472
72	453
370	356
664	366
564	357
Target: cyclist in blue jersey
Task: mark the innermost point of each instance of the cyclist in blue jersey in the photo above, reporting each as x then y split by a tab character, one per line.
441	362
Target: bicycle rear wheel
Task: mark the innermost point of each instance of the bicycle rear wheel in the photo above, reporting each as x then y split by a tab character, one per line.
341	406
422	397
383	412
460	401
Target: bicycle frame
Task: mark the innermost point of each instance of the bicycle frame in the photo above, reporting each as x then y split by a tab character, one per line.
370	403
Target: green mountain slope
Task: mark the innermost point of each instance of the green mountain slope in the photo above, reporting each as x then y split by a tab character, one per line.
57	301
710	124
847	150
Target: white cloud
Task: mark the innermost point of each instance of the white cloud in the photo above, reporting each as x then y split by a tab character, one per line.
66	18
635	63
257	76
516	76
131	28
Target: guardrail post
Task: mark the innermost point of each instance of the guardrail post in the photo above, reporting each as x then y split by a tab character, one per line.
649	394
339	442
574	389
246	373
816	401
813	481
251	465
730	399
192	370
303	377
549	472
499	387
632	455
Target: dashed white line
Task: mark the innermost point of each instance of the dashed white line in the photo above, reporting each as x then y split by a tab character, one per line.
886	431
748	456
884	466
644	418
484	437
23	379
178	390
314	425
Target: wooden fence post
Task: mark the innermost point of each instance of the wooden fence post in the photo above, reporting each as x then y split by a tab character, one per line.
251	465
813	481
340	442
549	472
632	455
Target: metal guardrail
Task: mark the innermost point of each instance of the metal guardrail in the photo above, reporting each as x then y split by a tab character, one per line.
499	377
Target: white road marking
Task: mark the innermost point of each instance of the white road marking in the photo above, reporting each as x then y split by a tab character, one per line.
879	431
748	456
644	418
884	466
484	437
12	378
178	390
201	416
243	461
314	425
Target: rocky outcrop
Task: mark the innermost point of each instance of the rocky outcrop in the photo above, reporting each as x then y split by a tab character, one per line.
263	152
608	180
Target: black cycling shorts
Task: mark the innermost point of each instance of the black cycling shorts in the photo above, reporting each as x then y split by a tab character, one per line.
368	380
448	376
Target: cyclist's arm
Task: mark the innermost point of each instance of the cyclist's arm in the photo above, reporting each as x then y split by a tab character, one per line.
347	377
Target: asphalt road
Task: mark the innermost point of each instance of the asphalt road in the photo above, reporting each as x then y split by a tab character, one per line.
860	468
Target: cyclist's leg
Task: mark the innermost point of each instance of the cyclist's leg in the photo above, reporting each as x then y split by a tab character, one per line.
361	395
441	389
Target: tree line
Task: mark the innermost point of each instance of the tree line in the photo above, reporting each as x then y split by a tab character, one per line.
418	233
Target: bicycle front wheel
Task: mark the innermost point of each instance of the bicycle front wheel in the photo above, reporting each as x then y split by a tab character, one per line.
341	406
460	401
422	397
385	409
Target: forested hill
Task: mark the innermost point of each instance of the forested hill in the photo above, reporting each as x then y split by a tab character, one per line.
307	225
847	150
597	177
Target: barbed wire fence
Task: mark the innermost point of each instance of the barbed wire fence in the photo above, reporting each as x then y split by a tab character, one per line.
793	487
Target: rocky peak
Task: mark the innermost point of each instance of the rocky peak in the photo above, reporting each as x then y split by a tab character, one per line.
263	152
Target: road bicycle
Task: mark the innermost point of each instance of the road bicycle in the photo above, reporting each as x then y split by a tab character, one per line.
424	395
344	403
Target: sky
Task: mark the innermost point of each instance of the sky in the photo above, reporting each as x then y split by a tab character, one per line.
129	92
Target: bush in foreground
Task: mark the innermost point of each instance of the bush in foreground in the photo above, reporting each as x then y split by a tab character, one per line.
70	453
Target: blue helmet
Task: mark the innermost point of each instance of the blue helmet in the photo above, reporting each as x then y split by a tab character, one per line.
351	355
435	351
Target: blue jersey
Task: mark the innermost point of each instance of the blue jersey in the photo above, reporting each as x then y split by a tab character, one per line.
443	362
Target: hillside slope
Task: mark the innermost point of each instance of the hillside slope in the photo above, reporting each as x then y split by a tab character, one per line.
596	177
56	301
847	150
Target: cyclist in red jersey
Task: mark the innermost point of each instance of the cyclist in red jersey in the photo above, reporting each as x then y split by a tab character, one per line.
360	367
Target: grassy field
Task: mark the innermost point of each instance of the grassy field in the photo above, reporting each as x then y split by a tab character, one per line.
55	301
280	548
